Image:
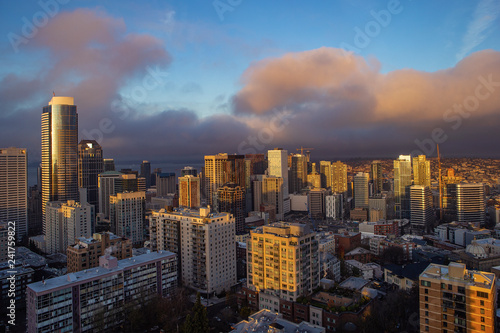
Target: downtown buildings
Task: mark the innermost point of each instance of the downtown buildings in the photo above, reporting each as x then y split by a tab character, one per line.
90	165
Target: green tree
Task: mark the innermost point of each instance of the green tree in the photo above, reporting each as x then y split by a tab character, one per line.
197	320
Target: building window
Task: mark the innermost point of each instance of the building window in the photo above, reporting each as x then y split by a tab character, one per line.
426	313
450	287
482	311
426	290
483	328
426	298
482	303
426	305
427	328
445	317
425	283
482	319
482	294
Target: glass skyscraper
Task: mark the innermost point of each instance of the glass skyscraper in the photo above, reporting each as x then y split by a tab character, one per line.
59	151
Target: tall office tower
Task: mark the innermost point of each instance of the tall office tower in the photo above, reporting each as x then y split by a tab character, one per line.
339	177
165	184
155	173
466	203
421	212
126	215
98	299
257	194
376	176
291	249
35	211
272	194
66	222
109	164
189	171
421	171
231	199
141	184
298	173
402	183
146	172
189	191
59	151
316	203
14	189
325	170
334	204
314	178
235	170
454	299
112	182
361	190
215	167
90	165
278	167
258	164
205	243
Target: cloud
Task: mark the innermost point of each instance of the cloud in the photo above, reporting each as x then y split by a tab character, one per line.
484	17
342	105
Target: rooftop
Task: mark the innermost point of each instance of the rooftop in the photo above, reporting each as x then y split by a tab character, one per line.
358	250
71	279
355	283
457	272
266	321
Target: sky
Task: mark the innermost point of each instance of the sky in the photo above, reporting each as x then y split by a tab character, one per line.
171	81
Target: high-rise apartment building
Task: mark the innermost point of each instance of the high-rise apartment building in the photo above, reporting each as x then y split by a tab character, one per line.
95	300
454	299
376	176
258	163
231	199
272	194
283	257
402	183
235	170
339	177
90	165
325	170
146	172
314	178
278	167
361	190
316	203
86	252
109	164
59	151
165	184
14	189
421	211
421	171
298	173
215	166
466	203
189	171
126	215
205	243
189	191
112	182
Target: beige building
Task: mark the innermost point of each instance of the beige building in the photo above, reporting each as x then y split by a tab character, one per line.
421	171
214	176
283	257
189	191
272	194
126	215
205	243
86	252
454	299
339	177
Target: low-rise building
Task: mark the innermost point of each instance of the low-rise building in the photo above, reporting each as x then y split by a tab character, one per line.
403	277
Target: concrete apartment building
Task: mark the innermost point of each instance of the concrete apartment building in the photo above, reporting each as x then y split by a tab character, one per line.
454	299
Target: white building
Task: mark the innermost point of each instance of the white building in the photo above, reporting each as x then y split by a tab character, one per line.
333	206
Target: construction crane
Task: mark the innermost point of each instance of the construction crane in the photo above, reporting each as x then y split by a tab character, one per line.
302	150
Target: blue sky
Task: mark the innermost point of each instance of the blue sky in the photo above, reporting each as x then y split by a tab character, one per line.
210	50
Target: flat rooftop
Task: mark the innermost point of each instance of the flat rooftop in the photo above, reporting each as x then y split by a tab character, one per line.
470	277
76	278
266	321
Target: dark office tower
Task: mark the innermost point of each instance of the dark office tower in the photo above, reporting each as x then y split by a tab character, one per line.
130	172
231	199
165	184
59	152
109	164
14	189
325	170
153	176
465	203
376	176
146	172
34	211
402	183
189	171
298	173
421	213
258	163
235	170
90	165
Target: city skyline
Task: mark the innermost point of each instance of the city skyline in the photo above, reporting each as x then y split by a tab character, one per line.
231	80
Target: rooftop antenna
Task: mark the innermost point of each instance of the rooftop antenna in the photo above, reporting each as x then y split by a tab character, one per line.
440	186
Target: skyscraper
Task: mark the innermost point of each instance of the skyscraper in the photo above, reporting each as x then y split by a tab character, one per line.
109	164
465	203
59	151
376	176
14	189
90	165
421	171
278	167
339	177
298	173
189	191
325	169
361	190
146	172
214	175
272	194
126	215
421	213
189	171
165	184
402	182
231	199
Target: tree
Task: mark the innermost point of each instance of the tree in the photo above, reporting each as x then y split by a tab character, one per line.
393	254
197	320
